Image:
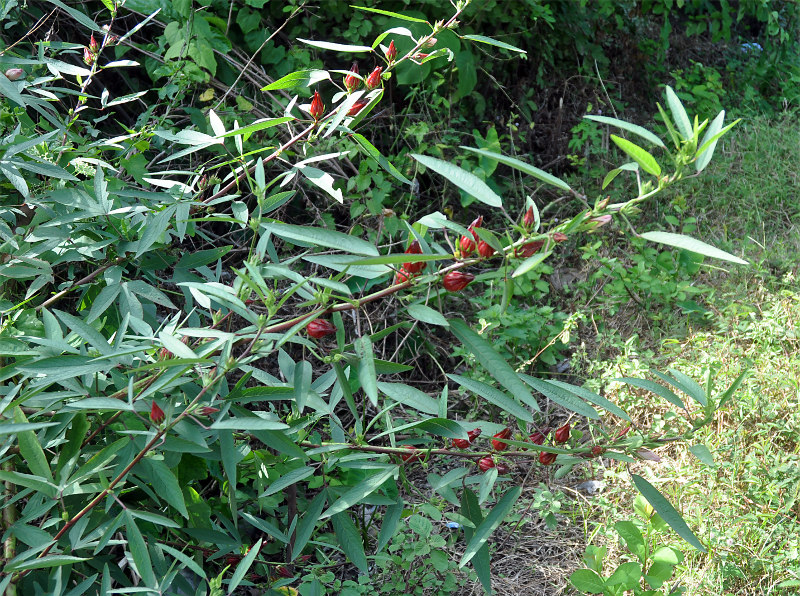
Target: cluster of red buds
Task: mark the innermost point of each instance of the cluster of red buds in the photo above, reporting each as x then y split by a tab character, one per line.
409	270
467	243
90	53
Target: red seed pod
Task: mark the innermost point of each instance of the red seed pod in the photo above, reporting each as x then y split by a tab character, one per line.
529	219
282	571
597	451
562	434
14	74
352	82
474	434
357	107
546	458
391	52
461	443
530	249
414	249
537	438
486	463
503	468
88	57
559	237
164	354
317	107
374	78
410	458
320	328
467	246
156	414
503	434
456	281
485	250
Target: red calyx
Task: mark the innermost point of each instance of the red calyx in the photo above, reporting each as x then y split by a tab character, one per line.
402	276
485	250
414	249
528	219
461	443
503	434
559	237
357	107
351	82
562	434
207	410
597	451
503	468
530	249
467	246
320	328
546	458
537	438
317	107
156	414
391	52
88	57
474	434
410	458
374	78
456	281
282	571
486	463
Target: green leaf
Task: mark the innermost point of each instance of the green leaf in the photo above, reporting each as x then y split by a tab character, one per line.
654	388
165	483
639	155
666	511
530	263
703	158
243	566
398	258
633	128
12	428
247	423
493	42
302	383
485	353
521	166
436	426
426	314
587	581
78	16
288	479
701	452
302	78
488	525
561	397
470	508
626	576
44	563
387	13
350	540
256	126
692	245
373	152
366	368
360	491
31	450
389	524
494	396
139	552
593	398
336	47
410	396
679	114
306	526
308	236
684	383
93	337
709	142
464	180
633	538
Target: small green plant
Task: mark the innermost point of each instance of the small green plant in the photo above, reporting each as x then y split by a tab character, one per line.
649	571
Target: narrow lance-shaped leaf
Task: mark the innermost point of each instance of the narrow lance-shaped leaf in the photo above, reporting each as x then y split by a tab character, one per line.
666	511
488	525
244	566
679	114
366	368
692	245
633	128
470	509
703	159
359	491
350	540
521	166
647	162
464	180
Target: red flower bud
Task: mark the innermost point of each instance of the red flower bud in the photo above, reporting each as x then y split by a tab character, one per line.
474	434
391	53
476	223
597	451
352	82
414	249
503	468
562	434
402	276
546	458
93	45
485	250
503	434
320	328
456	281
282	571
410	458
156	414
528	220
599	222
15	74
486	463
624	432
461	443
374	78
537	438
88	57
559	237
207	410
357	107
467	246
530	249
317	107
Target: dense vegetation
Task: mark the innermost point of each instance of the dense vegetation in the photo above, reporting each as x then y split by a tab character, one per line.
403	298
